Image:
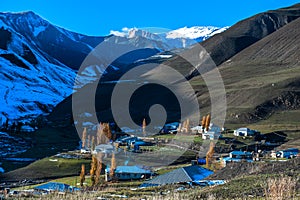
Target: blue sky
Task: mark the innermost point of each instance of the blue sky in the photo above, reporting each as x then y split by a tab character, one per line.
98	17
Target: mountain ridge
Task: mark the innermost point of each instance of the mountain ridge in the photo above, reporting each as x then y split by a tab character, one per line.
32	46
249	86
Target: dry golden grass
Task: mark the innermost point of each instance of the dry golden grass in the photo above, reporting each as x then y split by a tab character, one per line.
281	188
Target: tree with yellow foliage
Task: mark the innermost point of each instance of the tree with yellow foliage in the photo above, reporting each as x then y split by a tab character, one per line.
93	145
82	175
113	166
179	128
101	139
183	126
144	124
207	122
209	154
187	125
83	140
203	122
99	168
107	132
93	169
88	142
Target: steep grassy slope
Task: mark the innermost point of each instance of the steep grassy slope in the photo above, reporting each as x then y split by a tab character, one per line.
264	78
246	32
261	76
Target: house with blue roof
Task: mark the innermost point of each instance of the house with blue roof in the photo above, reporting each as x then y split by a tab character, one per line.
181	175
129	173
238	156
56	187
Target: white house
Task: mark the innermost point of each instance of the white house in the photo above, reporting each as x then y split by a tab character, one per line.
244	132
85	151
213	133
287	153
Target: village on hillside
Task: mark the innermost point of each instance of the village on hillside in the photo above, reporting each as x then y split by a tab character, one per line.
113	153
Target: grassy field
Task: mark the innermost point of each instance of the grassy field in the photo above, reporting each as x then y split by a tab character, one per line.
253	181
48	168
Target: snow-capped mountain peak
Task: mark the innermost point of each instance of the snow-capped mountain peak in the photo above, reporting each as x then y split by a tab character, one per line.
135	32
179	38
195	32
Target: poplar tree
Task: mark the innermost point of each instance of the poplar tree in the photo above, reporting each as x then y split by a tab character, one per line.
84	138
144	124
187	125
93	169
179	128
209	154
207	122
203	122
100	134
93	145
88	142
99	168
183	125
113	166
107	132
82	175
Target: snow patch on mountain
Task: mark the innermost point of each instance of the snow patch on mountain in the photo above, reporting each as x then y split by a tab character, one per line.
30	85
38	30
179	38
195	32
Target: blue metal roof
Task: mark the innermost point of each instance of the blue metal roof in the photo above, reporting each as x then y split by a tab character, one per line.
240	153
52	186
131	170
228	159
180	175
197	173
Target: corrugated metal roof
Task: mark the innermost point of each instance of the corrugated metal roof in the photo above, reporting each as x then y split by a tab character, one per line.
131	170
240	153
52	186
197	173
180	175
